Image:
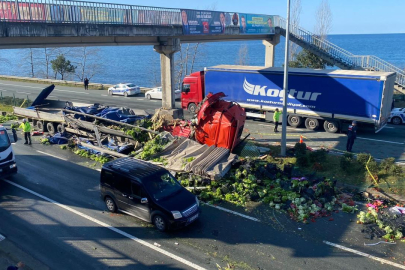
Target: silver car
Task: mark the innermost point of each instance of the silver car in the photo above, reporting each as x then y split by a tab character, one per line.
124	89
156	93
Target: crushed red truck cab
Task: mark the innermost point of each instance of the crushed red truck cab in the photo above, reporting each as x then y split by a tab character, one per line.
220	122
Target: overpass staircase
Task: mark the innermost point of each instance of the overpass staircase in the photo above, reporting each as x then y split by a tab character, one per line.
337	56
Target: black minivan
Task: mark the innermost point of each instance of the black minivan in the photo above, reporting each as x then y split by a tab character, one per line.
148	192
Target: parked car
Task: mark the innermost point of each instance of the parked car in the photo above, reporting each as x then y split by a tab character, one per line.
397	116
156	93
147	192
124	89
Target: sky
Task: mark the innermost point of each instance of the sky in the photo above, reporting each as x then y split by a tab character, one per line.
349	16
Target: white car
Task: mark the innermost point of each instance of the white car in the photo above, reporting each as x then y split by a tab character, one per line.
124	89
397	116
157	93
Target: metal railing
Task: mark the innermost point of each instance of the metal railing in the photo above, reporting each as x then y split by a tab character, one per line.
368	62
60	11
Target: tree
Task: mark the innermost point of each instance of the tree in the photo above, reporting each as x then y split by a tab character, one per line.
305	58
243	55
62	66
323	20
49	53
296	9
29	60
87	62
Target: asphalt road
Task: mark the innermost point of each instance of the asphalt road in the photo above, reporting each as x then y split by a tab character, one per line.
390	142
64	226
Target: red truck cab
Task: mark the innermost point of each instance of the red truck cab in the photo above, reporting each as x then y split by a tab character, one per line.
192	91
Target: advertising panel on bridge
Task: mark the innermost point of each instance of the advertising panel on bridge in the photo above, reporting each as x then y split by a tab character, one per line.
27	12
256	24
201	22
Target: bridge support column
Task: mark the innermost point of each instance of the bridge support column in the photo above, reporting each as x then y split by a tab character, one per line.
270	46
167	49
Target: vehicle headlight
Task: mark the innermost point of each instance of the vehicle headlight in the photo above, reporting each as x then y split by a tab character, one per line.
176	214
13	166
197	201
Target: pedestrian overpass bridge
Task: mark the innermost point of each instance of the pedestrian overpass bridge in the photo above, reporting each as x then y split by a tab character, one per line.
58	23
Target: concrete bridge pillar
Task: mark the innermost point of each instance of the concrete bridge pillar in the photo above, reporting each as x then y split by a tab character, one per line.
270	46
167	49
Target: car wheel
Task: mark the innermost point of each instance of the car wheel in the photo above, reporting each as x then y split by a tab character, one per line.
148	96
294	120
396	120
160	223
331	126
192	107
126	94
111	206
110	93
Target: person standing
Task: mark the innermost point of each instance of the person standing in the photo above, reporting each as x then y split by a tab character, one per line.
86	84
276	118
351	136
26	127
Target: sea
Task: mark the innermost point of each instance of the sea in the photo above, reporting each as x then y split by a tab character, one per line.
141	64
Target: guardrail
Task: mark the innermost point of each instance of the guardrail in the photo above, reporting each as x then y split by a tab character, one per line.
369	62
60	11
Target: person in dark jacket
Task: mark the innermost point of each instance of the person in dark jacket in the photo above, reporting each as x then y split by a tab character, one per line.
86	84
351	136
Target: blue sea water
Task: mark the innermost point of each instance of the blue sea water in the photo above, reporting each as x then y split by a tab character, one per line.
140	64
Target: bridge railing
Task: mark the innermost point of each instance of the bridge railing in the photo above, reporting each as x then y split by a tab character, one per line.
62	11
369	62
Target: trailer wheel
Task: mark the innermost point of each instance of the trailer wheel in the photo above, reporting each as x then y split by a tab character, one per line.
51	128
192	107
294	120
40	126
60	128
331	126
311	123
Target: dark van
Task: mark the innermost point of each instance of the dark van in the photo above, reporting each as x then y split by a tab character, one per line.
148	192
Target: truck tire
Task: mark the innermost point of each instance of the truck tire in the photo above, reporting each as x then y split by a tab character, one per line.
396	120
331	126
110	93
126	94
60	128
294	120
192	107
312	123
40	126
51	128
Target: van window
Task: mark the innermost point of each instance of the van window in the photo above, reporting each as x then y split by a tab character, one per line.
185	88
162	185
136	190
107	178
123	185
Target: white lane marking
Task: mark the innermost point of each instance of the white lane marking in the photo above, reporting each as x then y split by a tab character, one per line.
136	239
83	93
383	261
233	212
24	93
379	140
140	99
272	126
51	155
2	237
104	95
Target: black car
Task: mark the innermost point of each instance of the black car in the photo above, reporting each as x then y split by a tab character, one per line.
148	192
